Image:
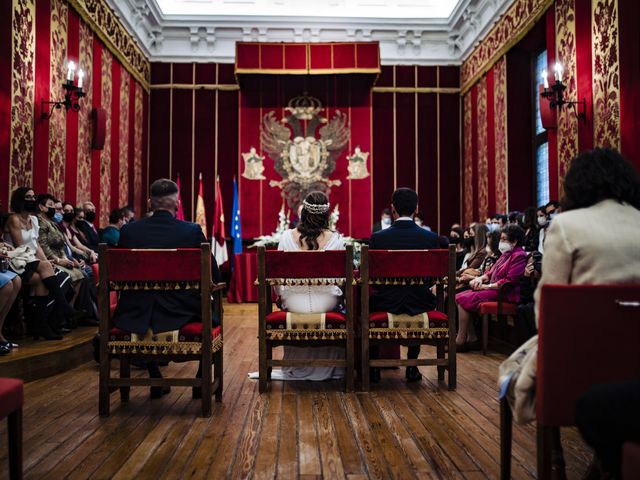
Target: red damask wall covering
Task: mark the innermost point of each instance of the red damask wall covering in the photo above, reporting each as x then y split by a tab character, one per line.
37	39
598	42
415	117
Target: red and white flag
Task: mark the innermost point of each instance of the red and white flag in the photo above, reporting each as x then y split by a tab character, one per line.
180	212
218	235
201	217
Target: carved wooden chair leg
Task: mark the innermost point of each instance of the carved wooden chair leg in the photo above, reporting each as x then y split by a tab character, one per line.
125	372
440	354
544	451
15	443
218	374
485	333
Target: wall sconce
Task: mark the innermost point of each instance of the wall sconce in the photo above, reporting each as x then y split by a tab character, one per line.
73	94
555	94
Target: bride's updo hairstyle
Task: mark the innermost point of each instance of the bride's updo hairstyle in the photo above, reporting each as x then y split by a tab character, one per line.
314	219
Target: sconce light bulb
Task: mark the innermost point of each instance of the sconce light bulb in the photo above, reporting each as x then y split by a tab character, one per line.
545	79
558	69
70	72
80	78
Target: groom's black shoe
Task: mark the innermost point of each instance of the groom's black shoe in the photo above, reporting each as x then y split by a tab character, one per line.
413	374
374	375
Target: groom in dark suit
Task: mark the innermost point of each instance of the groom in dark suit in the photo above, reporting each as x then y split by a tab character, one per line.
404	234
161	311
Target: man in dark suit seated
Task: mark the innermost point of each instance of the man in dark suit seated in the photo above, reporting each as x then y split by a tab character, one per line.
160	311
87	228
404	234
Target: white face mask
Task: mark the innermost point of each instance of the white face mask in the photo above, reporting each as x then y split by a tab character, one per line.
386	221
542	221
505	247
493	227
418	222
552	216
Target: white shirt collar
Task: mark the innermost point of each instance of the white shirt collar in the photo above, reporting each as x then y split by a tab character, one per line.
404	218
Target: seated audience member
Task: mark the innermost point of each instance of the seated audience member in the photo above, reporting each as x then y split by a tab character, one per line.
404	234
514	218
57	216
86	226
530	226
494	223
142	311
594	241
543	224
476	243
72	235
10	285
22	229
311	233
419	219
456	237
129	214
552	209
111	233
506	272
526	324
607	417
491	257
385	221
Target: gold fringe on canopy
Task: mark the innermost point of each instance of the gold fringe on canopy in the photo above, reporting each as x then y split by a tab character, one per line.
302	281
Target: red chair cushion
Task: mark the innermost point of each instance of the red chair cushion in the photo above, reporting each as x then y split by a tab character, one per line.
278	320
491	308
191	332
630	460
11	396
113	302
436	319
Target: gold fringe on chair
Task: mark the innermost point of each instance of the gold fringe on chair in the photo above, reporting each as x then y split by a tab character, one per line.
397	281
306	335
156	286
408	333
161	348
303	281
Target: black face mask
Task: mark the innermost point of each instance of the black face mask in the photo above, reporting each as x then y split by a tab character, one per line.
90	216
454	240
68	217
30	205
468	242
50	212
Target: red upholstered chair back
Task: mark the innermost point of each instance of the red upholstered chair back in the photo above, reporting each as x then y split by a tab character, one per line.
305	264
588	334
408	263
137	265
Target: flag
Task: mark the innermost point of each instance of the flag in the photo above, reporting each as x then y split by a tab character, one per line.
236	231
218	242
201	218
180	212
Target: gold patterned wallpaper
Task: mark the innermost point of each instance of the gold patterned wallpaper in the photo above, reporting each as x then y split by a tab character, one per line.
22	93
123	138
606	73
501	135
84	117
483	151
467	203
105	155
137	145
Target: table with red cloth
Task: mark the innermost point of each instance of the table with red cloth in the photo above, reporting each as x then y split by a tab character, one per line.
245	272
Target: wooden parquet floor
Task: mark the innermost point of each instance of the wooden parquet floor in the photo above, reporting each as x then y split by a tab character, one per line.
298	430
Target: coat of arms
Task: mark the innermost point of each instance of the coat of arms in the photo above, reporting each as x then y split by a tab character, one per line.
358	165
304	161
253	167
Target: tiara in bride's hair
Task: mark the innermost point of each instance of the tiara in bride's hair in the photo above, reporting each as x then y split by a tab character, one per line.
315	209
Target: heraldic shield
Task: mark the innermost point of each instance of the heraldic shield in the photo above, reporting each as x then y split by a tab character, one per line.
304	161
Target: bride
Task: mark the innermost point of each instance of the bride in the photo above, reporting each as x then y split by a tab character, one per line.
312	233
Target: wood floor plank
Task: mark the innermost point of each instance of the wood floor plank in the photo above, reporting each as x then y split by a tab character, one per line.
296	430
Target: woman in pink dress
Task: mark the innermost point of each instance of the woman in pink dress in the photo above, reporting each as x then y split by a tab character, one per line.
505	274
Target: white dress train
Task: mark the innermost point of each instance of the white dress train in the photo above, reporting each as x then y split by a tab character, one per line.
310	299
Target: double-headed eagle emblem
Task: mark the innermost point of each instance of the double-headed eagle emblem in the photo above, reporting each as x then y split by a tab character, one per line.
304	161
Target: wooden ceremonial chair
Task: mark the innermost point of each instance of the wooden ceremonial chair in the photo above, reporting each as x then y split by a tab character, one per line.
159	270
409	267
588	335
505	313
327	267
11	402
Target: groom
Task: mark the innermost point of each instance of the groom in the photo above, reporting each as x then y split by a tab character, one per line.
404	234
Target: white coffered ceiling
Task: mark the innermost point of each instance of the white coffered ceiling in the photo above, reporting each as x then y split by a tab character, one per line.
417	32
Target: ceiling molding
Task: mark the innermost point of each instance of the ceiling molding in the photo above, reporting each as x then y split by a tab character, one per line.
205	38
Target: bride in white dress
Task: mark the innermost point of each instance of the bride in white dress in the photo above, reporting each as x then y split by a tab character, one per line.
312	233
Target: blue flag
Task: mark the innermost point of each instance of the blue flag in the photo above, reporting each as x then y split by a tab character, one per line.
236	230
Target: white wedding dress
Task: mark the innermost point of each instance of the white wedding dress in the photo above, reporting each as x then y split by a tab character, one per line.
310	299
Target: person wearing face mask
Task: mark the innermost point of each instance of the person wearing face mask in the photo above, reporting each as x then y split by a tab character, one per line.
72	234
543	223
385	221
530	226
57	217
503	276
456	237
87	228
419	219
22	229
